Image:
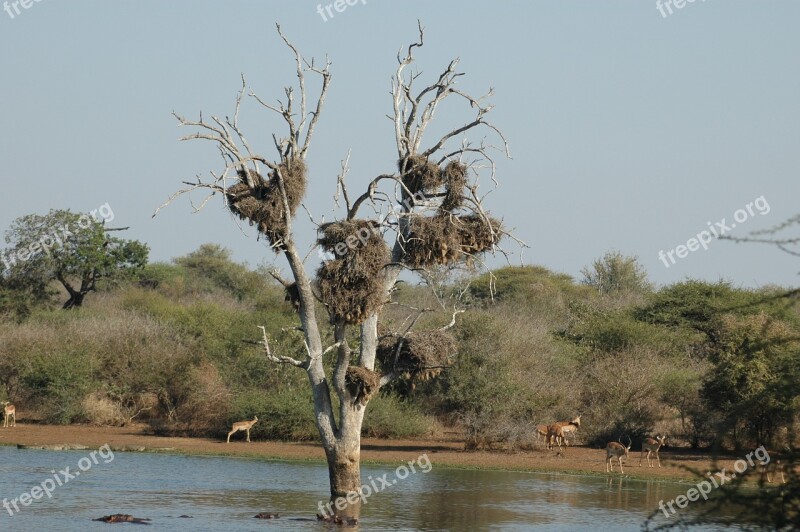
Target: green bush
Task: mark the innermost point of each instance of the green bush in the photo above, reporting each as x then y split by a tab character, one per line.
389	417
57	383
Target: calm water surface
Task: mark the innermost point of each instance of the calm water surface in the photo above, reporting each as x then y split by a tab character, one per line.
225	493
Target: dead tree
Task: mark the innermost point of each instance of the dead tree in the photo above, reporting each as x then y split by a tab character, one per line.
426	214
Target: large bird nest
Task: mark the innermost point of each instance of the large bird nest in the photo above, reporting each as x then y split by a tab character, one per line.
362	384
445	239
351	285
431	240
420	175
348	234
476	235
262	205
349	298
455	180
421	355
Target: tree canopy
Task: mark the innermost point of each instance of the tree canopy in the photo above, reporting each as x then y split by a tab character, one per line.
74	249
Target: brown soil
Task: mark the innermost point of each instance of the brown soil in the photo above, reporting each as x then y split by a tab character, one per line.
447	452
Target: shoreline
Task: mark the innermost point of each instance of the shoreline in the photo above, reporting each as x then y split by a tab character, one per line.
445	453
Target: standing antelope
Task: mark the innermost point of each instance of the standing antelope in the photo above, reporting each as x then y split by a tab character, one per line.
616	450
242	425
652	446
776	465
541	431
9	411
556	431
570	430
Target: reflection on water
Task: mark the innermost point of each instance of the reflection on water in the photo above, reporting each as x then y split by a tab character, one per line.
225	494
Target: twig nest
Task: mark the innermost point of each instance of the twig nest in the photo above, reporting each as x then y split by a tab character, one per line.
362	384
445	239
420	174
421	354
262	204
431	240
337	237
478	234
351	285
454	175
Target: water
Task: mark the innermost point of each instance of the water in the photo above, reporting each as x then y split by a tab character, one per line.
225	494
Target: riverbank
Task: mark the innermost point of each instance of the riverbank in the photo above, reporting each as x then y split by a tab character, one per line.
442	453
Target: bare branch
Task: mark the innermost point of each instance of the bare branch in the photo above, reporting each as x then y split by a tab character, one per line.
452	321
341	187
279	359
369	194
275	273
192	187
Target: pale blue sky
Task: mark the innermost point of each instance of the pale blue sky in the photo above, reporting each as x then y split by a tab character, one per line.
628	130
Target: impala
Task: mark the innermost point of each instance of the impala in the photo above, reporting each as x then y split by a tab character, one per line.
9	411
616	450
570	430
652	446
556	431
242	425
541	431
776	464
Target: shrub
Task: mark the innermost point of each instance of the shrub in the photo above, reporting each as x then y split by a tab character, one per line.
620	395
500	384
389	417
615	274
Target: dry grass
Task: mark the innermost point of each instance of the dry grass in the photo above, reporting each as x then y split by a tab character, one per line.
101	410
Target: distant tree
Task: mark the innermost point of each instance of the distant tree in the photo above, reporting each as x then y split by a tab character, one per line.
211	264
615	273
73	249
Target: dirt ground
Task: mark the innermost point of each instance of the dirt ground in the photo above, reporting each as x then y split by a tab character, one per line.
447	453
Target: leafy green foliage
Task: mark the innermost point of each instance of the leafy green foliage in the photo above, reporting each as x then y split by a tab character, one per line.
616	274
699	305
389	417
755	354
74	249
211	267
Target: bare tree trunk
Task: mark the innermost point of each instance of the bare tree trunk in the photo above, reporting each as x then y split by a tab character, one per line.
344	470
75	301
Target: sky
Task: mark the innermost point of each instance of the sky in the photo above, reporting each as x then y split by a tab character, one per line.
631	128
